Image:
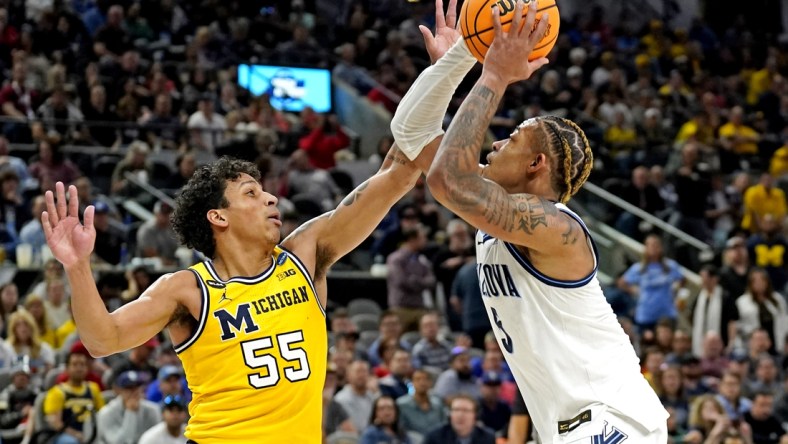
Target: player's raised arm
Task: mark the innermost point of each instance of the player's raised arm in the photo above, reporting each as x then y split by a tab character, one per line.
455	178
104	333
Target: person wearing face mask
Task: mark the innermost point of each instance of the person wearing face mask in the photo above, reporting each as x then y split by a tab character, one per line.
458	378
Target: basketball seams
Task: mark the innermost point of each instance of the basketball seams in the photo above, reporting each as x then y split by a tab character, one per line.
477	33
478	54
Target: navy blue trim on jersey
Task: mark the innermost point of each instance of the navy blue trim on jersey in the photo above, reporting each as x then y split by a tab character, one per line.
242	279
206	304
300	265
530	268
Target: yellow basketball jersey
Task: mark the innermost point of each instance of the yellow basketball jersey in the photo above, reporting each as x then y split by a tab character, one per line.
257	362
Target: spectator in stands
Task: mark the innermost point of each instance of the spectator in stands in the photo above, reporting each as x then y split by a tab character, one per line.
15	164
185	165
768	249
448	260
170	430
671	393
62	119
32	233
781	401
397	383
407	218
355	396
384	424
758	344
693	185
713	310
420	410
641	194
19	397
766	429
155	238
466	299
9	303
712	357
169	382
13	214
390	331
431	352
18	102
762	199
761	307
34	304
458	378
766	378
693	382
52	166
730	396
206	127
494	413
139	360
462	424
307	183
138	279
738	138
736	267
708	421
70	404
409	276
681	347
109	238
163	129
136	163
88	196
124	419
324	139
56	301
652	281
24	338
111	39
335	417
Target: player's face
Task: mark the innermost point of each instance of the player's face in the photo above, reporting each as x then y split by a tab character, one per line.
507	163
252	211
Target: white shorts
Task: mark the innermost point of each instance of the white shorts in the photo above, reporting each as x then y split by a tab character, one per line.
609	426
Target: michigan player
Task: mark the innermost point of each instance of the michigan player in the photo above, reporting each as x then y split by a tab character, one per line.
537	263
249	324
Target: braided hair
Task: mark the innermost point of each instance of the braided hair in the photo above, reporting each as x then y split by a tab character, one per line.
569	146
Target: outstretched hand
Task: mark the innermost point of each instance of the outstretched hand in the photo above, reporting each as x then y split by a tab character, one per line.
69	240
507	57
446	32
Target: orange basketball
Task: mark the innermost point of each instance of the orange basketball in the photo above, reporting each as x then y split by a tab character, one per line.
476	24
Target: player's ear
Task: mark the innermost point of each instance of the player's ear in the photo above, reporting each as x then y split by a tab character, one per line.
216	217
537	162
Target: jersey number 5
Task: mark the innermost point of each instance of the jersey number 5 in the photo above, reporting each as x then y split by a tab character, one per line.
254	359
507	340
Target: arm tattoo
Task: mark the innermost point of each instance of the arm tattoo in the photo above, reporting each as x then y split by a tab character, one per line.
569	236
463	144
355	195
298	231
395	156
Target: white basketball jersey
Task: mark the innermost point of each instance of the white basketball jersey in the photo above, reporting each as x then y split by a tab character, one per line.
562	342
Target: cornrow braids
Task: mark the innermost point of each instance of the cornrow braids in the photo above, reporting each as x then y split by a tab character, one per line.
570	144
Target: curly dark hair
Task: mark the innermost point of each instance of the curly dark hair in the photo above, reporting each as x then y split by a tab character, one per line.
202	193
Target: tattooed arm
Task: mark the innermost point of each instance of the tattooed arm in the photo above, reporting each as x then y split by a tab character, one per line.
455	178
334	234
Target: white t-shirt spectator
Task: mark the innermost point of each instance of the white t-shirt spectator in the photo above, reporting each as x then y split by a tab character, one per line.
158	434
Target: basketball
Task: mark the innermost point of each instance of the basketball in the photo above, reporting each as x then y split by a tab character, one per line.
476	24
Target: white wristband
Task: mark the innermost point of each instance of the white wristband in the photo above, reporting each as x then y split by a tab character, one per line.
419	117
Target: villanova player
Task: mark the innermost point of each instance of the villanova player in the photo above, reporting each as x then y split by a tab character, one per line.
249	324
537	263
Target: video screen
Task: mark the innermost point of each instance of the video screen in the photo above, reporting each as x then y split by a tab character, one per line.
290	88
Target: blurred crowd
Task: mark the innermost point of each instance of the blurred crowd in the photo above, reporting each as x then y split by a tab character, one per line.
116	97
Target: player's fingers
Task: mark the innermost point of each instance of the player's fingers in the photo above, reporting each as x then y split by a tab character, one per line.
540	30
538	63
440	17
60	202
451	14
90	211
45	224
517	18
530	18
73	201
496	15
51	210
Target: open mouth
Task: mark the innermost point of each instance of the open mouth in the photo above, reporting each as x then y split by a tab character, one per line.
275	219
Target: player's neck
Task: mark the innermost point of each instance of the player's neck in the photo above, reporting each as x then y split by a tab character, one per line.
242	262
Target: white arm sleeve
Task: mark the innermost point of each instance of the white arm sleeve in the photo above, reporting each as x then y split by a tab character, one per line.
419	117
